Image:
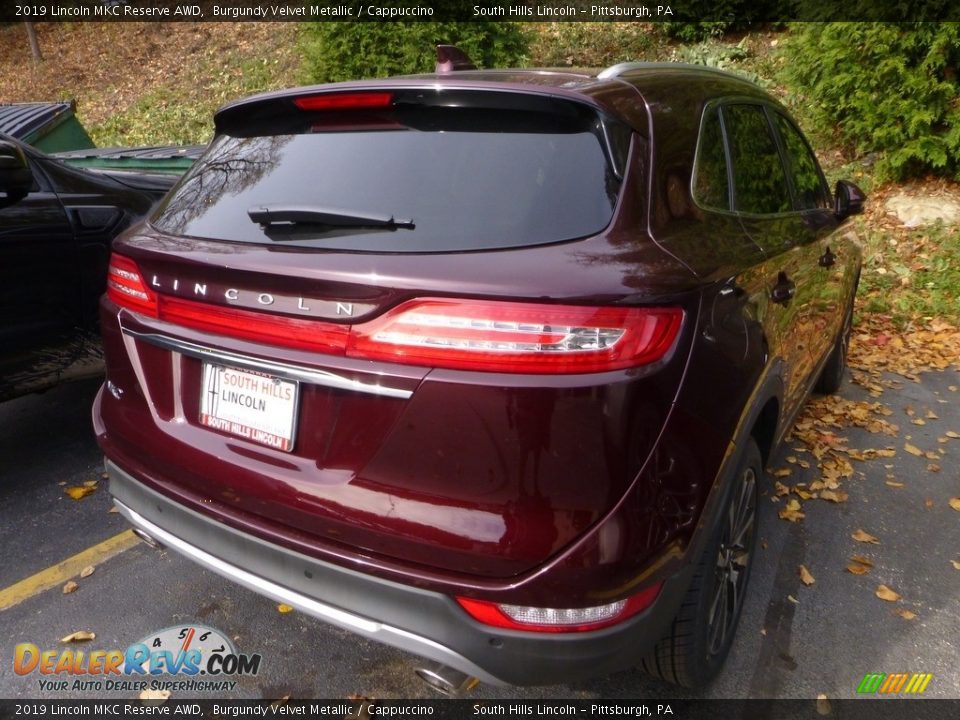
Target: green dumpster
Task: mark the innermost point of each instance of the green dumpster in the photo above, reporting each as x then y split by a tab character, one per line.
50	126
174	160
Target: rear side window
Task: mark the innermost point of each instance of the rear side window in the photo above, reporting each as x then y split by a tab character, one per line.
468	179
759	181
803	168
710	186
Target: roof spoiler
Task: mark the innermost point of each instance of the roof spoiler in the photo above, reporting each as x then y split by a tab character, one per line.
451	58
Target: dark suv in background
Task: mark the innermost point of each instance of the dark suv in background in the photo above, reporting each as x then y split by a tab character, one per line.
482	364
56	224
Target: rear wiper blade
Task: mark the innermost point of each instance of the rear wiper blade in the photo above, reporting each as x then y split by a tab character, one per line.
268	215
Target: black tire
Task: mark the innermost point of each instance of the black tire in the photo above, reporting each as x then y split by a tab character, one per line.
831	377
701	635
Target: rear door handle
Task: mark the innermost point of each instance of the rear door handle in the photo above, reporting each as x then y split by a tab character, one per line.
784	290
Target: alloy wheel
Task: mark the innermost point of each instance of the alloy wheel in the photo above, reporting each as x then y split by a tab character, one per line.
733	562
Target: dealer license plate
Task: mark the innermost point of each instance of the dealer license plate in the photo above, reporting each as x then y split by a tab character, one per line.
261	408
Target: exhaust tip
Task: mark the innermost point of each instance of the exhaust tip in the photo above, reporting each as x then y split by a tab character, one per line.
148	539
447	681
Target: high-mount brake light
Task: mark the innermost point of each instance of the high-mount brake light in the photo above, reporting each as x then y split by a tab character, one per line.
517	337
559	620
345	101
478	335
126	287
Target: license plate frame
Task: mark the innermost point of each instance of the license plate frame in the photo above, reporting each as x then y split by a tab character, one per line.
233	401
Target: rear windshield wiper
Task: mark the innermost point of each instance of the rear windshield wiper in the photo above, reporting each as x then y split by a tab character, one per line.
272	215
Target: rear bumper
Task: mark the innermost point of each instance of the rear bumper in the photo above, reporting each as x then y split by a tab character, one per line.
423	622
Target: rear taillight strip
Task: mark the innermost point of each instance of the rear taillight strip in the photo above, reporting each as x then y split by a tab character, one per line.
460	334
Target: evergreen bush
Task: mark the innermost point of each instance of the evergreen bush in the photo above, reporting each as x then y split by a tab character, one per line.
884	88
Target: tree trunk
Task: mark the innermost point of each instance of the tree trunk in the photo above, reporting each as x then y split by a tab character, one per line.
34	43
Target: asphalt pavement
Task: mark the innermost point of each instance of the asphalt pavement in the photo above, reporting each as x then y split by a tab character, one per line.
794	641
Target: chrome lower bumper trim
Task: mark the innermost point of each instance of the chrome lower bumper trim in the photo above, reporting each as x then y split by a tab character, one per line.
372	629
283	370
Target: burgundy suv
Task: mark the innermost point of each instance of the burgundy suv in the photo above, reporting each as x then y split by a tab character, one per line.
485	365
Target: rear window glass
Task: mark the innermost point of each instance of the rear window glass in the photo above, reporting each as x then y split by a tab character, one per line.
468	179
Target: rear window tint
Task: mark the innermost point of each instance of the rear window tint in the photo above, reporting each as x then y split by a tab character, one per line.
468	179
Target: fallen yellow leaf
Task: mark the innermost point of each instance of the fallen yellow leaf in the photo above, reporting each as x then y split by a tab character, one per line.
837	496
803	494
931	415
805	577
90	484
913	449
864	537
87	571
905	614
952	434
956	564
284	608
791	512
955	503
782	472
152	694
918	421
69	587
780	488
78	636
933	467
79	491
792	599
862	560
856	569
894	483
885	593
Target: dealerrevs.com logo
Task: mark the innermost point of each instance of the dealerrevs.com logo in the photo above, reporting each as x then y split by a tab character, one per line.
201	658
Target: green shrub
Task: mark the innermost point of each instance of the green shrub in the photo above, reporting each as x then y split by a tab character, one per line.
690	32
348	51
700	22
883	88
593	44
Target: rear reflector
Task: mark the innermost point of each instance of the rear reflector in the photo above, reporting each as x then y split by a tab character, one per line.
480	335
558	620
344	101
